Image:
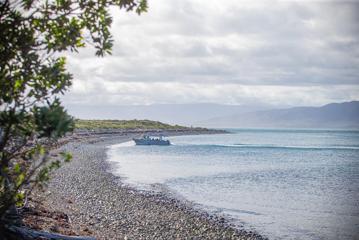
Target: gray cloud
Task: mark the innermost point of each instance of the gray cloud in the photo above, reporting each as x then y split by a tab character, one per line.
227	52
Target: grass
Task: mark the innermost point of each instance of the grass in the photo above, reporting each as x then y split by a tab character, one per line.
126	124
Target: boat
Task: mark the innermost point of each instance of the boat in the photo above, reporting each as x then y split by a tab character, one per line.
149	140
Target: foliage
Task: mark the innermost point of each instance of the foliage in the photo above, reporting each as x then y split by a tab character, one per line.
125	124
52	121
34	34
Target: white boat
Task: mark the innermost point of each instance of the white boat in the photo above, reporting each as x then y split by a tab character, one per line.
148	140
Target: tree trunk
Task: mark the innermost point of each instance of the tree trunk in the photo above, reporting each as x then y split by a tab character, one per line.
23	233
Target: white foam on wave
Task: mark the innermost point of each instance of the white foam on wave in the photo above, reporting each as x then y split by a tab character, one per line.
124	144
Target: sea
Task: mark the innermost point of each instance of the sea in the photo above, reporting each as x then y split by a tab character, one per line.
282	184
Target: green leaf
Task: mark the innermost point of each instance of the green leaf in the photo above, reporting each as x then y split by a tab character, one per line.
18	84
17	168
41	150
20	179
19	198
66	156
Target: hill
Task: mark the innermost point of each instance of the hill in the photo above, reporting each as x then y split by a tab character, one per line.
125	124
334	115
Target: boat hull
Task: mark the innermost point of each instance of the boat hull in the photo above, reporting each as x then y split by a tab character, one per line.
151	142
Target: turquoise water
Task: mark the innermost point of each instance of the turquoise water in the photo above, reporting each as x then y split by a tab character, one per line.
284	184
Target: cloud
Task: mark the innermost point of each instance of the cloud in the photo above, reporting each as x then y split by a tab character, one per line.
233	52
138	93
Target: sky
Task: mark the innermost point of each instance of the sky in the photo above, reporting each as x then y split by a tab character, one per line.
279	53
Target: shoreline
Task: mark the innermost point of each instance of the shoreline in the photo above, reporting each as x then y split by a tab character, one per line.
99	204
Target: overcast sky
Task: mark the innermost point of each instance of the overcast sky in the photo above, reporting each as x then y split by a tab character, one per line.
230	52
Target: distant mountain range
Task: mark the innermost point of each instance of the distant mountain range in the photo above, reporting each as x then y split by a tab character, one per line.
334	115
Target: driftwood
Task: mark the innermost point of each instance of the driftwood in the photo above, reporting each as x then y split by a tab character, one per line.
24	233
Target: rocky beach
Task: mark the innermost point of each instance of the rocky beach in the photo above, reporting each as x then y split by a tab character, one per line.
87	199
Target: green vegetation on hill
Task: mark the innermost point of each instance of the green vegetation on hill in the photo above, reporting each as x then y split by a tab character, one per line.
125	124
